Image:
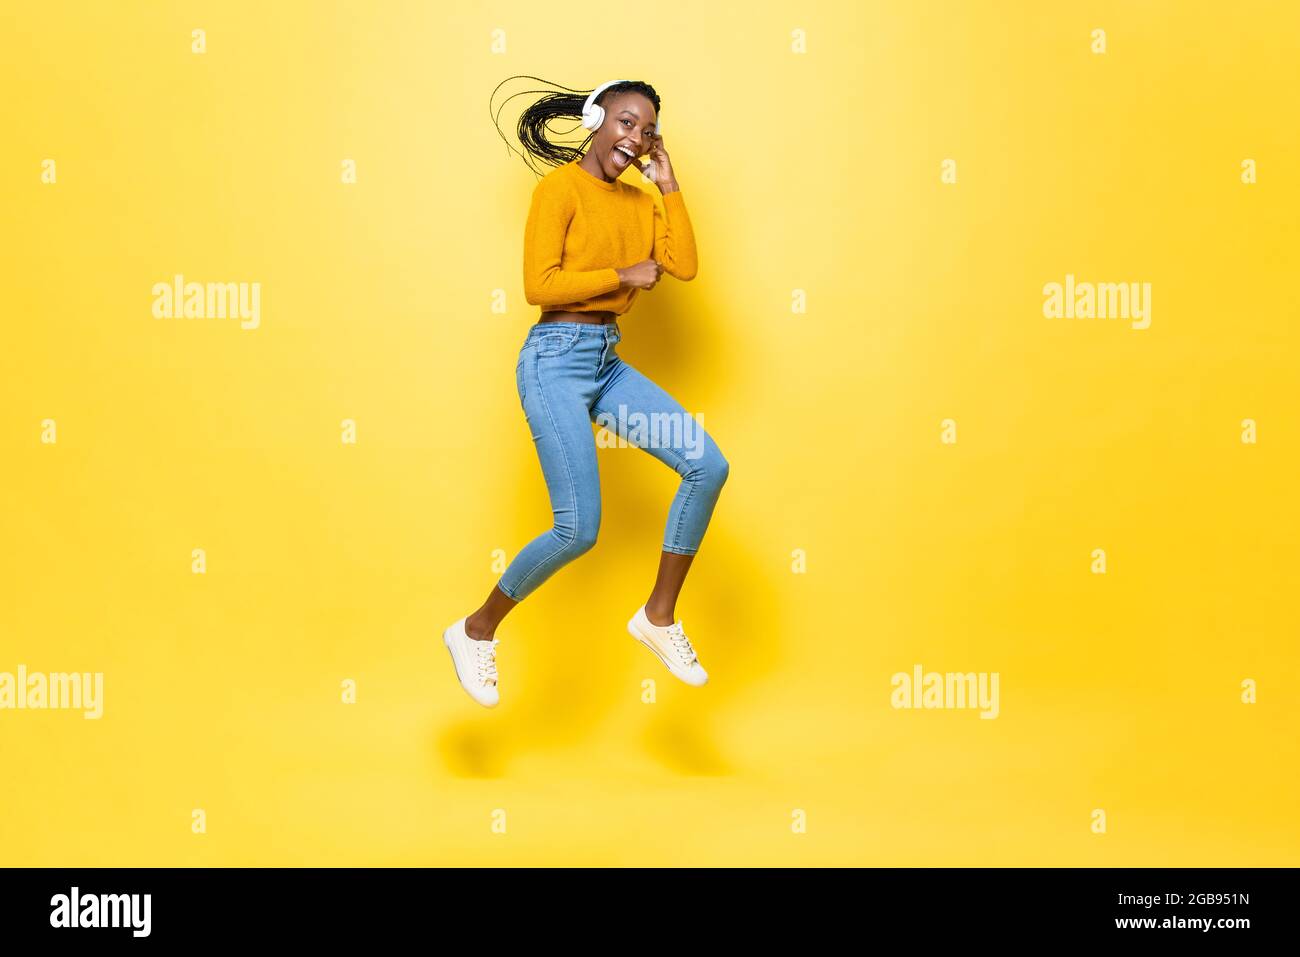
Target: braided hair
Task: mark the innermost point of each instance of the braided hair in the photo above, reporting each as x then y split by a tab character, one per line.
533	127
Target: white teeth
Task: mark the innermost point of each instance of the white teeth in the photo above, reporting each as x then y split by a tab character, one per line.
625	151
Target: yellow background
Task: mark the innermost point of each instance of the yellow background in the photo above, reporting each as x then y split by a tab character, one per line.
815	171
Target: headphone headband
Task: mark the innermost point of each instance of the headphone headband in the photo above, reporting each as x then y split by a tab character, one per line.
593	116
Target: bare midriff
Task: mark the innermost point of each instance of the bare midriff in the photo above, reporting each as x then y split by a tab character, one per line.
599	318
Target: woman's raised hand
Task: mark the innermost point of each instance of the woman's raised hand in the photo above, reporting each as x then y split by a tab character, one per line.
660	169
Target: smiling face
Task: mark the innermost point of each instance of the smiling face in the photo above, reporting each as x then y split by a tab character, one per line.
629	119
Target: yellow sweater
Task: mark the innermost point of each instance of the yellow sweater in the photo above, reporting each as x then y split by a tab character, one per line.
581	230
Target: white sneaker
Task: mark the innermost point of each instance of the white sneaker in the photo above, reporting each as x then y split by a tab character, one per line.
670	645
475	663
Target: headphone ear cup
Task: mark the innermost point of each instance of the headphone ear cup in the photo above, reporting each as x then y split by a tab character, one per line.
594	117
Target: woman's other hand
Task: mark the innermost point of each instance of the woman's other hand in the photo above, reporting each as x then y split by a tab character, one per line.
643	275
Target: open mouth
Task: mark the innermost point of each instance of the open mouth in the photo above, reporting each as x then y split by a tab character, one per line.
621	157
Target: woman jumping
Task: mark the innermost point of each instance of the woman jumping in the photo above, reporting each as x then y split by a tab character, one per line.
591	243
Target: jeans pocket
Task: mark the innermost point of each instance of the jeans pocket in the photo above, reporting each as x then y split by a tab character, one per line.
519	378
557	343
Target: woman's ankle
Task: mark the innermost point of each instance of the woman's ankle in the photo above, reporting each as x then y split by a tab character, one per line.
659	617
476	629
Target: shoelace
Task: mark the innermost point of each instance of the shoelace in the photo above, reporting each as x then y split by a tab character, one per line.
681	643
485	660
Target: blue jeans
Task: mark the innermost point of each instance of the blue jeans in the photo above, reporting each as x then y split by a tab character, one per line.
568	377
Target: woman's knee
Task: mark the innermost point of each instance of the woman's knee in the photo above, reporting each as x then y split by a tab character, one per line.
580	535
582	541
712	470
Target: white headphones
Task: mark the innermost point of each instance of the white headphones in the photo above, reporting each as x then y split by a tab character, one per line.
593	116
